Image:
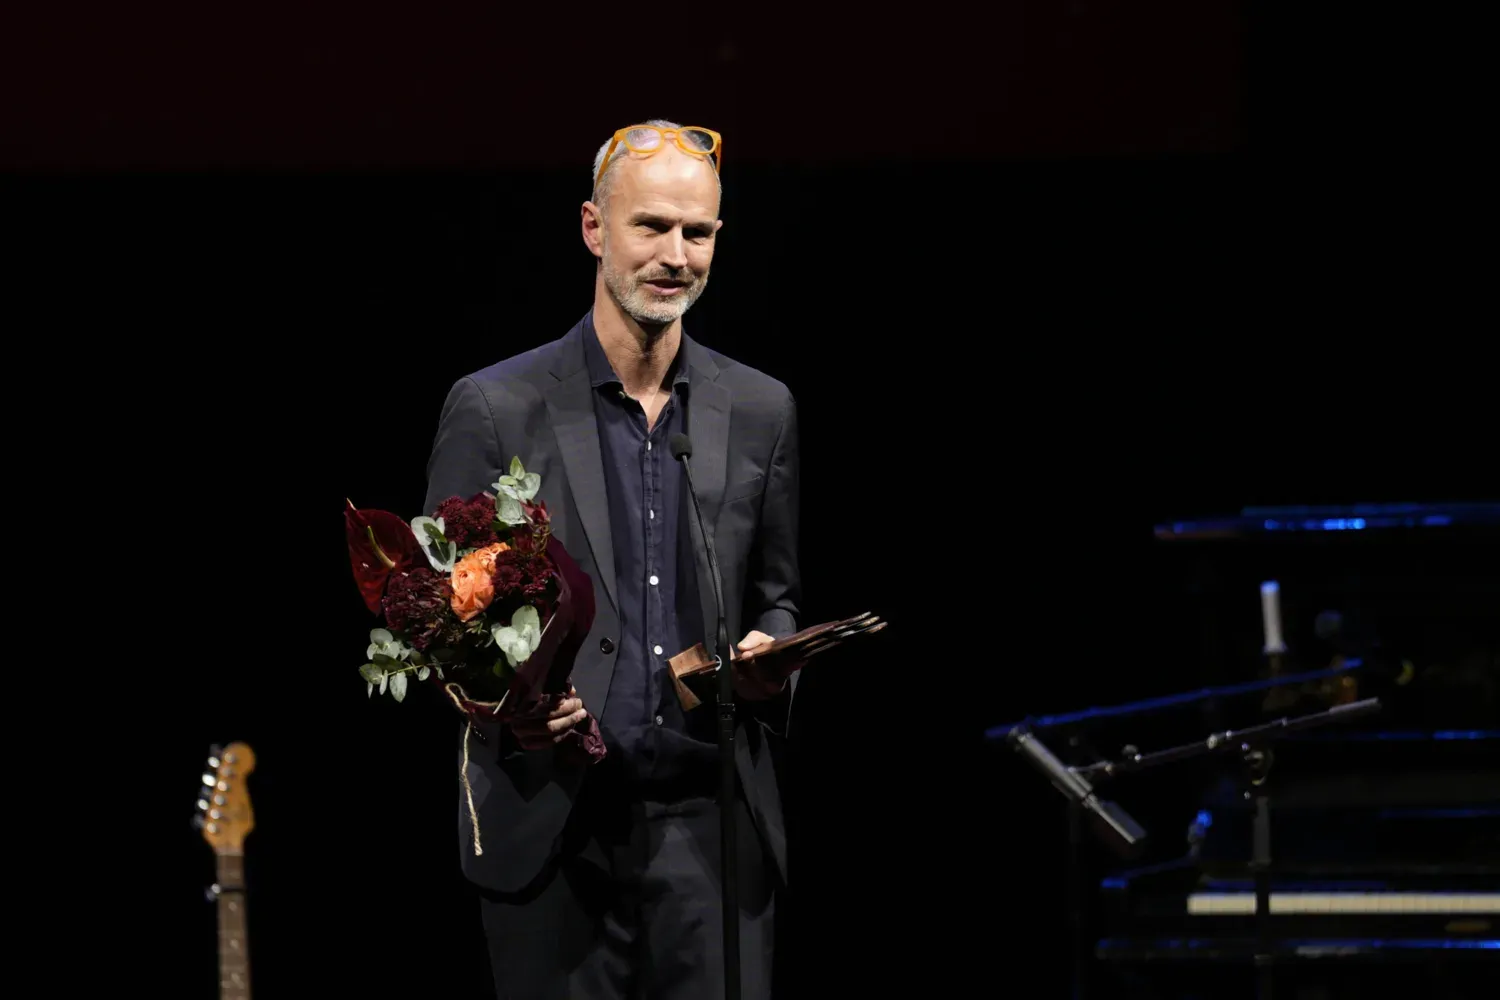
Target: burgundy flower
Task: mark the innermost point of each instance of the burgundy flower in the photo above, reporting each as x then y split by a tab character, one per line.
469	524
522	574
380	544
417	604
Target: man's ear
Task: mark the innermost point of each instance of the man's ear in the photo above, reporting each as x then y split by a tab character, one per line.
592	218
718	225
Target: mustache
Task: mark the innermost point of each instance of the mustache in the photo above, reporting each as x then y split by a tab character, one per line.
686	277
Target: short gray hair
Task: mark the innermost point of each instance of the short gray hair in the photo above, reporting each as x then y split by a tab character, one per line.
601	189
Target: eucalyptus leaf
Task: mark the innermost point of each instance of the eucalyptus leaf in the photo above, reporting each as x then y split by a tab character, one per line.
370	672
381	637
509	509
384	659
423	673
517	470
530	483
513	644
508	486
369	690
384	679
521	649
398	686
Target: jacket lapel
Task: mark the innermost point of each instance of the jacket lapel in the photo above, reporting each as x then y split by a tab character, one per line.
708	427
570	407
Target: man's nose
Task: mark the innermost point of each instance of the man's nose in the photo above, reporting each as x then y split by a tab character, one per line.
674	250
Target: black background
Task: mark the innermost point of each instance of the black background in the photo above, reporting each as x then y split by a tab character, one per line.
1037	283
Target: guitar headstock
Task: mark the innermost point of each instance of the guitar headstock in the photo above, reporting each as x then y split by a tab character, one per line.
224	813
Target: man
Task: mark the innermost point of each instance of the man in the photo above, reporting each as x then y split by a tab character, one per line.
602	880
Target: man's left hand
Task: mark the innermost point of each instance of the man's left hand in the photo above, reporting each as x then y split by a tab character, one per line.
748	682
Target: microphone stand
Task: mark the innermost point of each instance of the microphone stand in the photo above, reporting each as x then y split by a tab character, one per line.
682	449
1250	745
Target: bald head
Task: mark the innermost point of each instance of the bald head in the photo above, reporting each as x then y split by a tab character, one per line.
622	157
655	241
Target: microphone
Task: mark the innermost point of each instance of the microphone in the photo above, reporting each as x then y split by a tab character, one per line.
682	449
1109	820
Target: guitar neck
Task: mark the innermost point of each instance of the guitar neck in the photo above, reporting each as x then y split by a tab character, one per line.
234	942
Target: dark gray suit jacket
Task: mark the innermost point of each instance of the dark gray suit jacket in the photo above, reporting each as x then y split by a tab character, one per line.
539	406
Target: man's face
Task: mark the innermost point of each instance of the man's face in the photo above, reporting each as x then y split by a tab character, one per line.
658	235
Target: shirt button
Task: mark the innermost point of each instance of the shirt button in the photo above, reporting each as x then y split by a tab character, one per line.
654	580
606	645
658	720
657	650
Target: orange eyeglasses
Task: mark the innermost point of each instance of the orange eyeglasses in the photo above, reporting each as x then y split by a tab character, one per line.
647	139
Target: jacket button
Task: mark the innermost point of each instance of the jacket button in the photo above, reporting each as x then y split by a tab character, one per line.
606	645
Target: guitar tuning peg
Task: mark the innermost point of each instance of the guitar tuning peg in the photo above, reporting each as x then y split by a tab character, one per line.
211	893
203	805
198	821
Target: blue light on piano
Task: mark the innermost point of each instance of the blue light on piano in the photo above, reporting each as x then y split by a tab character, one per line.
1322	524
1376	944
1171	700
1411	735
1204	819
1439	813
1356	517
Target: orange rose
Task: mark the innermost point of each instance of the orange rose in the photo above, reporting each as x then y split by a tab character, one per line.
473	581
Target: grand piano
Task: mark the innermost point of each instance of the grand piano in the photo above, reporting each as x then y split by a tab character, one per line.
1375	841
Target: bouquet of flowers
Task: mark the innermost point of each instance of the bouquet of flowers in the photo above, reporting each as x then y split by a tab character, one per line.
479	598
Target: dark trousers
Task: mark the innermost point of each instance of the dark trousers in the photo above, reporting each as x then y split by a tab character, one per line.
634	913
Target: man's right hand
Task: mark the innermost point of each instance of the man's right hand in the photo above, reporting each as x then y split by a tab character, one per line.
544	729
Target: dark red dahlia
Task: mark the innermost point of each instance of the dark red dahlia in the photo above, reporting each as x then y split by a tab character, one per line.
522	574
469	524
417	603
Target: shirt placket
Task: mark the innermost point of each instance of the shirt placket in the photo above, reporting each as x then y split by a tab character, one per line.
655	623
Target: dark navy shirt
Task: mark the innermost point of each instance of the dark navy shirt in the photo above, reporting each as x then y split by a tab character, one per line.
660	745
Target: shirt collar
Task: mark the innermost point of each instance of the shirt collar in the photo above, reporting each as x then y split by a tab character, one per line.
602	373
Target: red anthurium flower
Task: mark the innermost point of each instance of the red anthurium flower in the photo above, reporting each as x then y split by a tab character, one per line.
380	543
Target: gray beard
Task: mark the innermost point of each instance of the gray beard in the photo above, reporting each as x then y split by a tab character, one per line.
639	304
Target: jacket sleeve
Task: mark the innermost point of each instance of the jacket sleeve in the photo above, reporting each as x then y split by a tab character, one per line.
466	451
774	593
